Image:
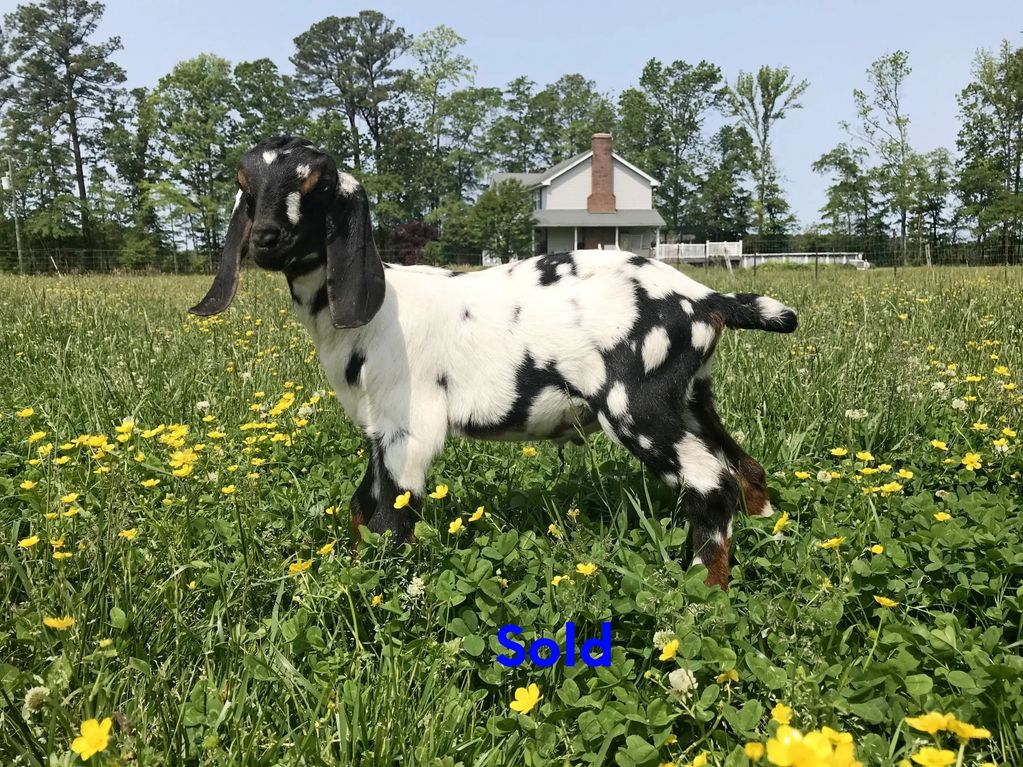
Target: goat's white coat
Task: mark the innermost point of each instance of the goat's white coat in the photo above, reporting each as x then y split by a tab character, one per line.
422	334
294	207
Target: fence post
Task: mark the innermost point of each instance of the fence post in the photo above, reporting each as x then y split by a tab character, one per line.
816	260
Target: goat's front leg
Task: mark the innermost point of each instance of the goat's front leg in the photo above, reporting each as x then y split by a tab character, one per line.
401	457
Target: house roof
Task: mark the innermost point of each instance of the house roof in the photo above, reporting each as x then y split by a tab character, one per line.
533	180
638	217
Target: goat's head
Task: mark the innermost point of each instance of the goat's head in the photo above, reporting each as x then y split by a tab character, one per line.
293	207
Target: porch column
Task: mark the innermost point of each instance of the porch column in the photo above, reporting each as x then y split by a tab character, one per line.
575	238
616	236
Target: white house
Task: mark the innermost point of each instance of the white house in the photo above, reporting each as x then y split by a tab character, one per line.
595	199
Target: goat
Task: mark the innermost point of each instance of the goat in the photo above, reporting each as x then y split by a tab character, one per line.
552	347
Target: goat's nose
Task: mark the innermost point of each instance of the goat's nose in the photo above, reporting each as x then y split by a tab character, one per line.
267	236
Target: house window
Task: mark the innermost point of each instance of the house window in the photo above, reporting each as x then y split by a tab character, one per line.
537	199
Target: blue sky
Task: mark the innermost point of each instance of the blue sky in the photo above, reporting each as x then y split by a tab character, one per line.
830	43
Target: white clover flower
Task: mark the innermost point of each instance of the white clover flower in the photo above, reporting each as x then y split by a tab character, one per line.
938	386
683	683
856	415
959	404
202	405
305	411
740	437
824	477
941	493
416	587
35	699
661	638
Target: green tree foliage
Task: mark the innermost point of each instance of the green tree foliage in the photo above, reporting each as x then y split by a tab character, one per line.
662	129
348	64
57	83
990	142
503	220
758	102
883	126
196	132
266	103
723	208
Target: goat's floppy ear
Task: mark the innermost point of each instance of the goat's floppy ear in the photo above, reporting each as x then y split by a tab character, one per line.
225	284
355	274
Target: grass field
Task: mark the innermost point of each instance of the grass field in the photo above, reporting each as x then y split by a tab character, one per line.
179	489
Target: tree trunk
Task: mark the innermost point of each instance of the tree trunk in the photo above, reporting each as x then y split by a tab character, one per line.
76	146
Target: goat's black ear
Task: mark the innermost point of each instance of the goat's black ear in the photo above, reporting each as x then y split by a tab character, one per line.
225	284
355	274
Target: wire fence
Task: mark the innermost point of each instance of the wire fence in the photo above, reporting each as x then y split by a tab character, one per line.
751	252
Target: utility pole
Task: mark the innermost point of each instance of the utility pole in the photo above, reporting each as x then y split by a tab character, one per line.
8	184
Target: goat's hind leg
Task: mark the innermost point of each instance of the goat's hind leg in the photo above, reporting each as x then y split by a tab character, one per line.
751	475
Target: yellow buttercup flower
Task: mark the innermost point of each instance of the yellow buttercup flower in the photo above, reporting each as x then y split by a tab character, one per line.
839	452
477	515
61	624
553	529
928	756
932	722
781	523
727	676
61	555
587	569
95	737
26	413
440	492
455	526
937	444
28	484
885	601
557	580
129	534
967	731
801	474
972	461
755	751
299	566
403	500
27	543
1008	432
526	699
877	548
528	452
943	516
670	650
864	455
36	436
228	490
700	760
377	599
69	498
781	713
833	543
326	548
147	483
905	474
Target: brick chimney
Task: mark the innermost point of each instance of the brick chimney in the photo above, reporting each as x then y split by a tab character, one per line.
602	197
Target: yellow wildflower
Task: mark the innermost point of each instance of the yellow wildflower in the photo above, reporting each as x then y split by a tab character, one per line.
27	543
586	569
937	444
864	455
528	452
129	534
403	500
526	699
781	713
440	493
455	526
26	413
755	751
931	722
972	461
839	452
61	624
885	601
326	548
833	543
670	650
477	515
781	523
928	756
94	738
943	516
299	566
877	548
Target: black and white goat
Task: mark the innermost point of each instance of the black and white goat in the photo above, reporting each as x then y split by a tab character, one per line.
550	347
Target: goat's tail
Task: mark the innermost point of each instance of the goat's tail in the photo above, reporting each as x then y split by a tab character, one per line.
754	312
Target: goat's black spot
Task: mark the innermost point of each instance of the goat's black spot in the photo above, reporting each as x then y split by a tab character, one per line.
639	260
516	313
294	295
457	274
466	314
548	266
319	301
393	436
301	268
354	367
442	381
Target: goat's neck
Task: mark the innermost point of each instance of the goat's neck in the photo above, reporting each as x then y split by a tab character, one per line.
308	286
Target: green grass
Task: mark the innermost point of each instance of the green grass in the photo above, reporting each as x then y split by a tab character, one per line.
196	638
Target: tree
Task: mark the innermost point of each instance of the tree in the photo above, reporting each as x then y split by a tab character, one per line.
266	105
503	220
884	127
852	205
566	114
990	142
512	138
196	135
348	64
723	208
662	129
60	75
441	69
465	120
759	101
